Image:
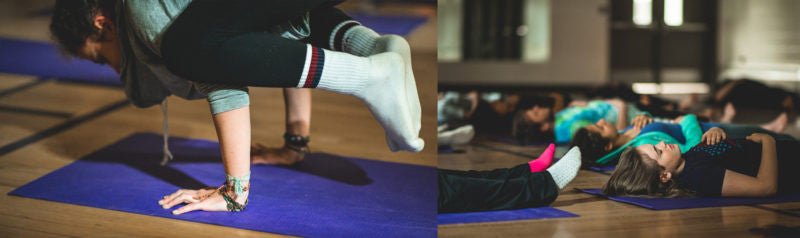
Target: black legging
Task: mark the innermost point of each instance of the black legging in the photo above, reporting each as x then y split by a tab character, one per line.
499	189
223	41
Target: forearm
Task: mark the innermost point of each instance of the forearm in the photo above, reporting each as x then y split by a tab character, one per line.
768	170
298	110
233	132
622	116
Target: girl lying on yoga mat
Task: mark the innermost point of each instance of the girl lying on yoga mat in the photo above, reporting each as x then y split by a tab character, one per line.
757	166
533	184
601	144
215	49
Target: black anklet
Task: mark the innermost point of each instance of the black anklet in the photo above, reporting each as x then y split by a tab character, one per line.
297	143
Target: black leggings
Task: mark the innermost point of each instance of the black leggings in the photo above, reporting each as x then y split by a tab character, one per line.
499	189
224	42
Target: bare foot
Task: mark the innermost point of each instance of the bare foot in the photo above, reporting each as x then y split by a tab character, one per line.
260	154
729	112
778	125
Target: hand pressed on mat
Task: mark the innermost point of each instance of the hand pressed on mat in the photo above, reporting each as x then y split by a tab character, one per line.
206	199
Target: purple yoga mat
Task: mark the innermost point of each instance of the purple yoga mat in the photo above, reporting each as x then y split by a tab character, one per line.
697	202
44	60
325	195
507	215
607	168
400	25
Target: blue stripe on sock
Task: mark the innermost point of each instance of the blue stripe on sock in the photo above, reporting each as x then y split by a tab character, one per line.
320	65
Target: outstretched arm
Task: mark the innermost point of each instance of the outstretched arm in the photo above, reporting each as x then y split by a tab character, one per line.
231	114
233	132
765	183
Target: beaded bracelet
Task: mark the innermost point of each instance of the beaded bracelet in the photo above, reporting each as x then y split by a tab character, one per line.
234	185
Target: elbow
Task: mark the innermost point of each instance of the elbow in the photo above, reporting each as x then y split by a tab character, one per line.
769	190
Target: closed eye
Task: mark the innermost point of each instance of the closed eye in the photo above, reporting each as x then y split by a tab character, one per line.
658	152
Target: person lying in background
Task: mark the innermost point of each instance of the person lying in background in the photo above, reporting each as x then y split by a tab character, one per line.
758	166
773	108
580	114
492	114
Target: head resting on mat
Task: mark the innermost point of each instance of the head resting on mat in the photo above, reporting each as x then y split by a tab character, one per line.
647	170
595	141
534	124
86	29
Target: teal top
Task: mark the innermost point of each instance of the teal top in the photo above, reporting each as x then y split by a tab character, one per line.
689	126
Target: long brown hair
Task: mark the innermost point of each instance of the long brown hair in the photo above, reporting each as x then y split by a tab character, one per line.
638	175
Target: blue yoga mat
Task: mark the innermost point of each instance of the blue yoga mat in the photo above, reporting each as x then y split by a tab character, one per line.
400	25
323	196
507	215
44	60
607	168
697	202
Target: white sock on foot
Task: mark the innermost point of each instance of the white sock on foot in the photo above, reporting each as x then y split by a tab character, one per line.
378	80
566	168
363	41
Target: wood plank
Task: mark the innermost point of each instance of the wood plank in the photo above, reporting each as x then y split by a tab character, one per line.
64	97
11	80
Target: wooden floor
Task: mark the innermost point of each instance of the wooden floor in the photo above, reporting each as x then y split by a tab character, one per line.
599	217
341	125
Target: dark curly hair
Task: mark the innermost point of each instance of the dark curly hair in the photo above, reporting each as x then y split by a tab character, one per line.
592	146
525	131
72	21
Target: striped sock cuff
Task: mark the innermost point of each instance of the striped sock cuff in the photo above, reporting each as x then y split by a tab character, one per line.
337	35
312	69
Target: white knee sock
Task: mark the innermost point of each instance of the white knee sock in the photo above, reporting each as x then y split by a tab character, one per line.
378	80
566	168
360	40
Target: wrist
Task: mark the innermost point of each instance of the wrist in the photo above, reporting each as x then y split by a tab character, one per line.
235	191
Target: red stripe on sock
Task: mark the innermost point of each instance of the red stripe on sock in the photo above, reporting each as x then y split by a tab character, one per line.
311	68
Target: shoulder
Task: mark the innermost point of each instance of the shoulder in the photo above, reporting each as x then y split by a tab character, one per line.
149	19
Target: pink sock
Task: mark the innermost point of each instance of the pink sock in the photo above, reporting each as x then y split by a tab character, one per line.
544	160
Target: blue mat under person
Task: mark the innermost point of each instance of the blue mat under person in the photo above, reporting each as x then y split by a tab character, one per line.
43	60
325	195
506	215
